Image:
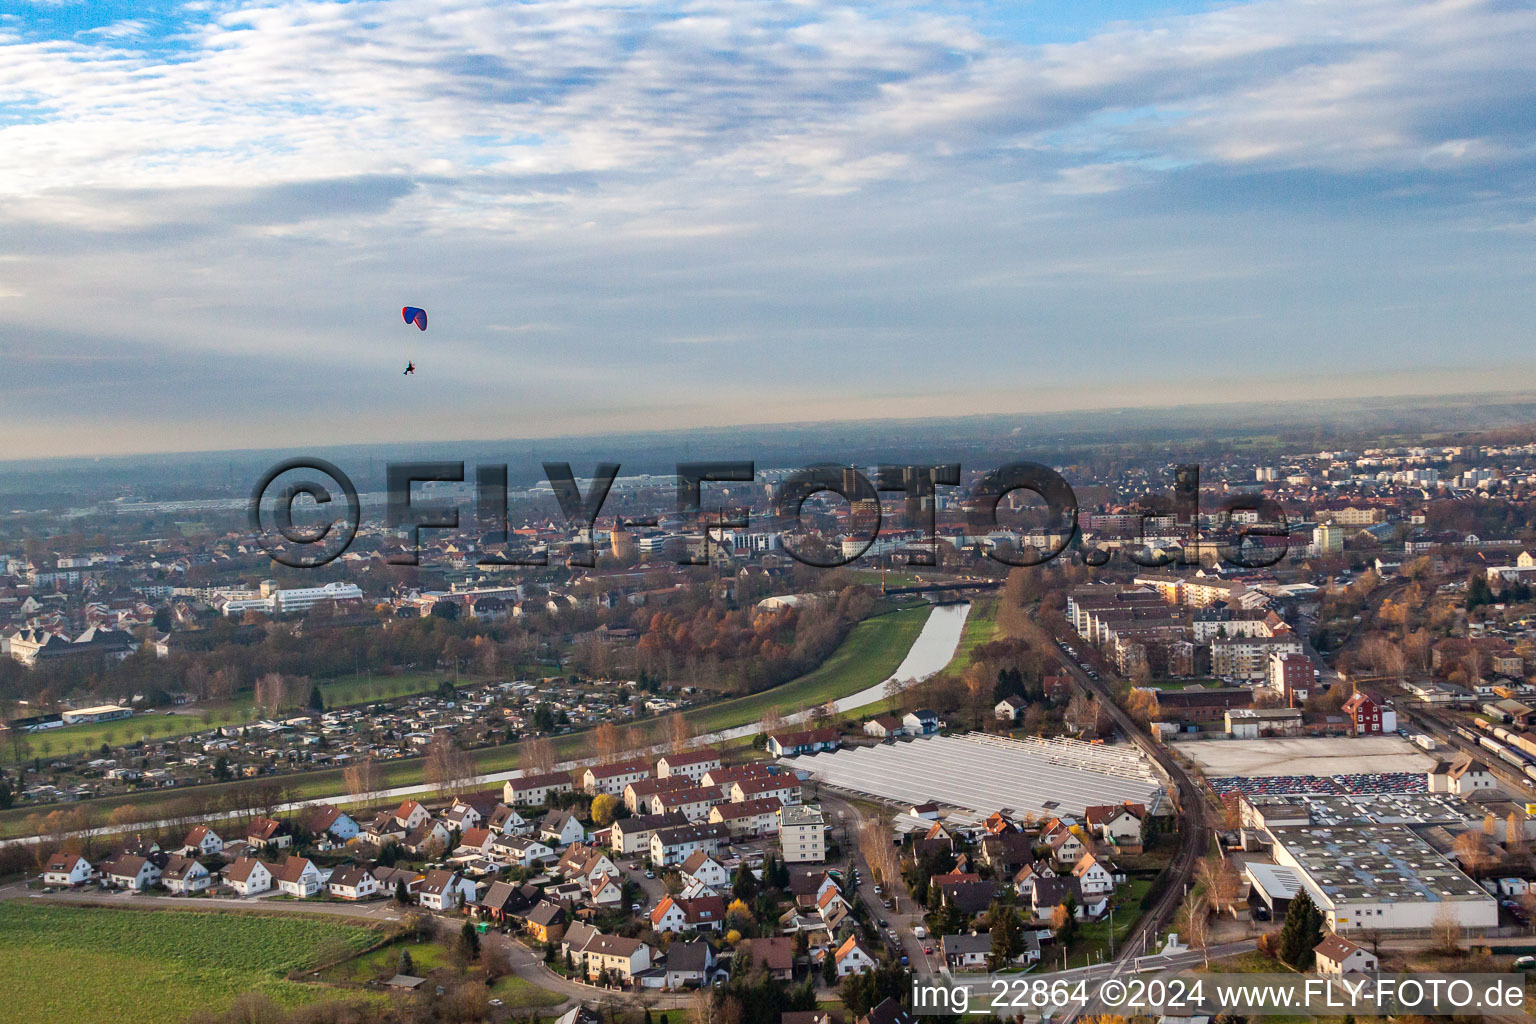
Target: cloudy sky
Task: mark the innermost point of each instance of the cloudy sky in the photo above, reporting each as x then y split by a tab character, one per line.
653	215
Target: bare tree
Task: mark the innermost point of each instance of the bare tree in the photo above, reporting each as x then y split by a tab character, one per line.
537	755
449	769
1446	931
680	732
362	779
271	692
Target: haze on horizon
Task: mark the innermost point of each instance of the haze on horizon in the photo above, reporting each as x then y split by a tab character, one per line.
686	214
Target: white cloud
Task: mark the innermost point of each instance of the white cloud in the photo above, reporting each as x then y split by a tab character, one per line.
586	190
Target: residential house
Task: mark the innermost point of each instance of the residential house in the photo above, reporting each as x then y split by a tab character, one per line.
429	839
633	835
748	818
968	896
585	863
1093	878
968	952
884	727
411	815
523	851
443	889
705	870
675	845
546	922
535	790
1119	824
612	778
1337	955
298	876
330	820
352	882
806	741
185	875
1010	709
507	821
638	794
383	830
1364	714
67	869
853	958
677	914
504	899
561	828
202	841
604	891
775	956
268	834
922	722
785	787
248	876
691	763
129	871
693	804
689	964
616	956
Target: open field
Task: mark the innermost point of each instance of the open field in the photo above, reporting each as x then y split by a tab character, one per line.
195	718
1307	755
76	965
874	649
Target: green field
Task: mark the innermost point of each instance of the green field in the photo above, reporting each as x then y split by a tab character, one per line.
872	652
80	739
94	965
980	628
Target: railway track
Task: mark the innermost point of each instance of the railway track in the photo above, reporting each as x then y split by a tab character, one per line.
1195	823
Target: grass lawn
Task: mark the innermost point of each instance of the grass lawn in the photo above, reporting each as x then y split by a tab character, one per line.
515	991
79	739
96	965
425	956
873	651
1092	939
980	628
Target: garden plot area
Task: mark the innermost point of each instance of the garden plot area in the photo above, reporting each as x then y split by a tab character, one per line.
989	773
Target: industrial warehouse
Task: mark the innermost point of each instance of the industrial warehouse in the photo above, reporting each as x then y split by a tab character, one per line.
1381	877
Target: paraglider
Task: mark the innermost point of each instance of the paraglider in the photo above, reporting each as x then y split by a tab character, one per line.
418	316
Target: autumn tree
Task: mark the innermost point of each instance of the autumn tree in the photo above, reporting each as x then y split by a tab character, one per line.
608	741
605	809
1142	706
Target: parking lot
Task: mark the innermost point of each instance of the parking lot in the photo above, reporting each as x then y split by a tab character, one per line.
1298	755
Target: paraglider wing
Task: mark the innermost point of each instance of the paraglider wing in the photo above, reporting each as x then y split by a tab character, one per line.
415	315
